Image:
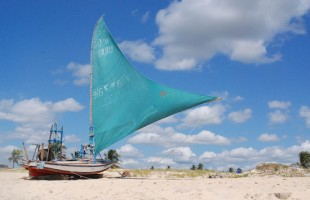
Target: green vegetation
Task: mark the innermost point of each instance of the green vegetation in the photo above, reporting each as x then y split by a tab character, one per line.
16	154
112	155
200	166
304	159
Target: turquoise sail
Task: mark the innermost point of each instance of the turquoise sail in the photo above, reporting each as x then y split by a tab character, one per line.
123	100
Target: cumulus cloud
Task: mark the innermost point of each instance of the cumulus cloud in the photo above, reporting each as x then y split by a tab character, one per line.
240	116
207	155
279	104
168	120
244	157
80	73
131	163
138	51
278	117
168	137
5	153
129	151
181	154
266	137
33	116
159	161
204	115
240	29
250	157
206	137
34	110
304	112
66	105
71	138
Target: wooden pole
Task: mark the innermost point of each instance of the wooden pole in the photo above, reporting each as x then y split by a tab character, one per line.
38	149
26	153
61	133
42	152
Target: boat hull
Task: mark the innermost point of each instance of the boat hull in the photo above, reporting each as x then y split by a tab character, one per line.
37	169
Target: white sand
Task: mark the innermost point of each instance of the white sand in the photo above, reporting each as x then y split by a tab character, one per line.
14	185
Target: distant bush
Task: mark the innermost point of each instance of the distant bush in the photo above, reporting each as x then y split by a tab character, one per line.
200	166
193	167
304	159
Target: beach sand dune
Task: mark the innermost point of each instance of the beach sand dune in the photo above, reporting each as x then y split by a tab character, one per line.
16	185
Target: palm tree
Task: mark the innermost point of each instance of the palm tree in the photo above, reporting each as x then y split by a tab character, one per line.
112	155
193	167
304	159
16	154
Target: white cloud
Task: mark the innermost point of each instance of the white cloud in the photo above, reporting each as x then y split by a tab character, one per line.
279	104
69	104
181	154
131	163
35	111
241	30
80	72
160	161
240	116
129	151
5	153
250	157
207	155
30	134
206	137
148	138
304	112
168	137
238	98
145	17
168	120
278	117
204	115
138	50
266	137
33	117
71	139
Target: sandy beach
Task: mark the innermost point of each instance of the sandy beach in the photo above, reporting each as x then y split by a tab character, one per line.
16	185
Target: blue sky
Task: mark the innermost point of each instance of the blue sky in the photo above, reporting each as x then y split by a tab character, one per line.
254	55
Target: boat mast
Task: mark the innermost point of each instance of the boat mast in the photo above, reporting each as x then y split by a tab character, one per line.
91	129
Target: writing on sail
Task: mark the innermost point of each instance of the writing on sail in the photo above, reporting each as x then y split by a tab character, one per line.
103	47
106	87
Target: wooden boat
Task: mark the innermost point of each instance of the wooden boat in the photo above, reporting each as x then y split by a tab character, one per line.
79	168
122	101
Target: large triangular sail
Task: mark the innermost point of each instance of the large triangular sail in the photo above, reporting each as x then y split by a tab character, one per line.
123	100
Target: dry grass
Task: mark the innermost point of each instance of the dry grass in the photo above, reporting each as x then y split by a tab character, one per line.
264	169
17	170
170	173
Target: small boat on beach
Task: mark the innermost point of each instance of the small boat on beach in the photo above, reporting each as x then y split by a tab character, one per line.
52	161
122	101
